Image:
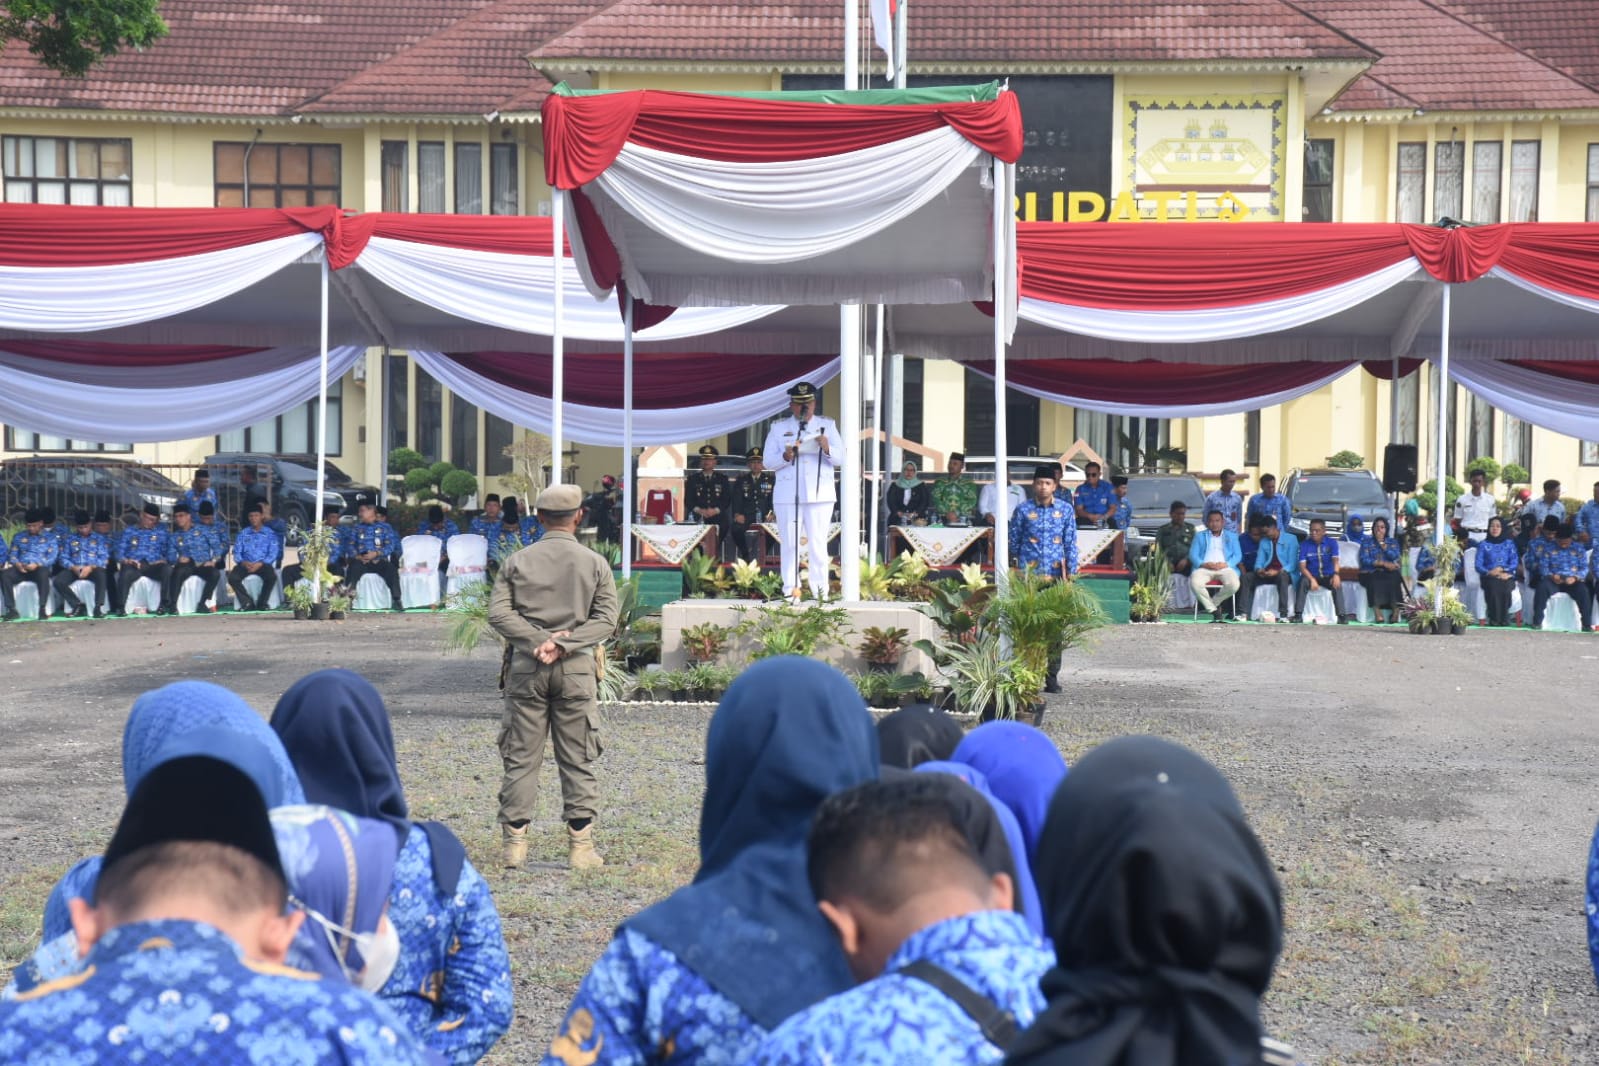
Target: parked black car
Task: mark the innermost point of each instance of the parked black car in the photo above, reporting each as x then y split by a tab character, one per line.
289	481
1333	495
1151	497
67	484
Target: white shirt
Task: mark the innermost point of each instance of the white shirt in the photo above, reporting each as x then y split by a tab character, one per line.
1474	511
1217	552
814	467
988	500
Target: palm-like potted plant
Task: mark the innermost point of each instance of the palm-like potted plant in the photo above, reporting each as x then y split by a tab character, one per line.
883	648
1044	617
1147	594
299	597
704	642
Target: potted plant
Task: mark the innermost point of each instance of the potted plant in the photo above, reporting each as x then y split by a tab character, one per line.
339	603
704	642
677	685
914	687
883	648
782	629
1147	594
1043	618
641	643
1456	614
1017	693
746	577
703	576
299	598
320	611
710	681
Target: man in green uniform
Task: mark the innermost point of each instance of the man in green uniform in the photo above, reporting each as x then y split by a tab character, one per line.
752	502
1176	538
709	497
554	602
955	496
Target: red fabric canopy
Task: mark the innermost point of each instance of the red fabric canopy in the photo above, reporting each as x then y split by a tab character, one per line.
51	235
584	134
1156	384
661	380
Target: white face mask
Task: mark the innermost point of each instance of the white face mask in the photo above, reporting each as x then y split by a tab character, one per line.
380	950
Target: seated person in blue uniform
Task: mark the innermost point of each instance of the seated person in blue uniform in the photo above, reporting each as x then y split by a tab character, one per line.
140	552
1164	913
295	572
487	524
703	976
185	940
1276	565
371	545
1565	569
33	553
452	984
84	556
255	553
1318	568
1496	568
191	552
950	972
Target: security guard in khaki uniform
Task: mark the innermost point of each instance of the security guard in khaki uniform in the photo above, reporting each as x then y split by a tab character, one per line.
554	601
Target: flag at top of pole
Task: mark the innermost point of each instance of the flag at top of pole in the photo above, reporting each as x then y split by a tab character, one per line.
883	12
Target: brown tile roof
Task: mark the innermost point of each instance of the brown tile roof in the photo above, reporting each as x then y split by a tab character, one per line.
1435	60
810	31
247	58
1563	33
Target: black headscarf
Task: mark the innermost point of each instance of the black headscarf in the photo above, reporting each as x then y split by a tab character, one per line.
1164	912
914	735
1501	536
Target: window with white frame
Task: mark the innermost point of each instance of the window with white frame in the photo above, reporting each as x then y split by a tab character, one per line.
1410	196
1588	454
396	176
1523	181
293	431
67	170
1518	442
1486	159
430	177
468	178
1449	179
1318	198
503	183
26	440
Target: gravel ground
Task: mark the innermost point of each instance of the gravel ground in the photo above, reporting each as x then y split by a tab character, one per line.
1427	801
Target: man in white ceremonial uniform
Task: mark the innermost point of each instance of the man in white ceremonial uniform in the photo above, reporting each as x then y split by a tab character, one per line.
799	449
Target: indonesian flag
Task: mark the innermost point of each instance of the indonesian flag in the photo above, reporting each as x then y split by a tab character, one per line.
883	12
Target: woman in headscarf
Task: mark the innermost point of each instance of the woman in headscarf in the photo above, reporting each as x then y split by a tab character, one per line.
453	980
183	718
908	497
702	976
1379	571
914	735
1027	901
1165	916
1023	768
1496	567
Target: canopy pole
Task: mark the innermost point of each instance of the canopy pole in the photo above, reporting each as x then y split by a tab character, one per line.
321	426
852	44
849	428
627	437
558	342
1001	430
879	483
1439	495
1393	402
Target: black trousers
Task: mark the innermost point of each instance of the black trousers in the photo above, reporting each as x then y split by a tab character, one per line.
269	580
11	577
1547	588
1282	580
181	572
383	567
293	573
63	584
1305	590
1496	598
127	574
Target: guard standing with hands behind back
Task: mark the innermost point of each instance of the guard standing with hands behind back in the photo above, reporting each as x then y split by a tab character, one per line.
800	449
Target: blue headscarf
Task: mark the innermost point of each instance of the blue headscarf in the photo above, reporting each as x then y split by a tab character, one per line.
789	733
1023	768
184	718
1027	904
337	731
326	853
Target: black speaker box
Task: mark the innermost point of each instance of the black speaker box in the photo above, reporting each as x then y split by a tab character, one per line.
1399	468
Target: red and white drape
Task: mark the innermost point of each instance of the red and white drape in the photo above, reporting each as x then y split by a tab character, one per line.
1165	390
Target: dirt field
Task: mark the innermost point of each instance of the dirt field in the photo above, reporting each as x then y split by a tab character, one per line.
1428	801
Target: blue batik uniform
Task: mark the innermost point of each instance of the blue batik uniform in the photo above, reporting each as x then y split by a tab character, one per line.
1095	499
1538	558
487	528
85	549
1043	536
196	543
372	537
34	549
444	533
257	546
1373	551
1587	521
220	542
896	1019
195	499
1425	560
1230	506
139	545
1491	556
1276	505
182	994
639	1004
1321	560
532	529
1565	562
1122	516
452	985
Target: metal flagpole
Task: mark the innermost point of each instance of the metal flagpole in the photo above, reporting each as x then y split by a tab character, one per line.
1001	467
896	361
628	492
849	353
1439	580
879	482
558	342
321	427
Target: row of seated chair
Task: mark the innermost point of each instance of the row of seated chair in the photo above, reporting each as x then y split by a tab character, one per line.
420	582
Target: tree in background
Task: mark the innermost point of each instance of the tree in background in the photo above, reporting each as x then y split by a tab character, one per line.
70	36
1346	460
402	462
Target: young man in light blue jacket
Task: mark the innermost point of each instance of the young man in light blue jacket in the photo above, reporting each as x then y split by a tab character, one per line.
1276	563
1215	556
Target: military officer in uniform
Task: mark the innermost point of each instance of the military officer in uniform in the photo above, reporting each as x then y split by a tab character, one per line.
800	448
752	502
554	602
708	496
84	555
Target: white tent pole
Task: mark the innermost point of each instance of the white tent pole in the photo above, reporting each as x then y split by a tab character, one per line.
1443	437
849	351
1393	403
321	426
901	15
558	342
852	44
878	482
627	439
1001	430
896	362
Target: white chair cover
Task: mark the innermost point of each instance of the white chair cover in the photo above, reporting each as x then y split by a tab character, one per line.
1348	555
372	594
84	590
419	570
1265	602
1179	593
1319	607
469	562
1560	615
144	597
1355	602
189	594
252	585
27	604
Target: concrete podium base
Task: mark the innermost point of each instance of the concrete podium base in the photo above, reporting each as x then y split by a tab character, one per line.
681	614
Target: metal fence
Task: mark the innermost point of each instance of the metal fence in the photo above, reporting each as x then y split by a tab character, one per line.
67	484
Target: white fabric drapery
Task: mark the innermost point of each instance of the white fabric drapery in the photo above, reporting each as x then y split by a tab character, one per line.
517	292
602	426
88	298
133	414
1215	324
1198	410
1569	407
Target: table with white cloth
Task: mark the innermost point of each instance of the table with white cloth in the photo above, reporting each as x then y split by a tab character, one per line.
1090	542
672	543
770	533
939	545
